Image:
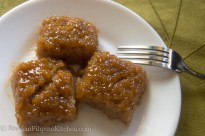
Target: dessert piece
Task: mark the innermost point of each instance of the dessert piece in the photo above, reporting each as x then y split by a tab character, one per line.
112	85
73	40
43	93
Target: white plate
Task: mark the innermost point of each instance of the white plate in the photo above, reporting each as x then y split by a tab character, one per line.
159	111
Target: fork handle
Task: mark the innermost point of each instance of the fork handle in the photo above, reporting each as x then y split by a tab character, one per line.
192	72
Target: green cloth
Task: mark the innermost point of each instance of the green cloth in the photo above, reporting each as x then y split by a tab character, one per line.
6	5
181	24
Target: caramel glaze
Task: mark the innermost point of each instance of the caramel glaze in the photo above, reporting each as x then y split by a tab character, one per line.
70	39
43	92
112	85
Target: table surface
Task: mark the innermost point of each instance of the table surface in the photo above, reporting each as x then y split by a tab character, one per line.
181	24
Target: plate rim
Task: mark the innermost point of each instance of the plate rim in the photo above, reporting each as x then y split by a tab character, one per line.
113	3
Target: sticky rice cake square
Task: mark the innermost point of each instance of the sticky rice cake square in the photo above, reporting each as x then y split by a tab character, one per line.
43	91
112	85
71	39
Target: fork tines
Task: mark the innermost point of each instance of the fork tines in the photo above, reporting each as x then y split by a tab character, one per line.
145	55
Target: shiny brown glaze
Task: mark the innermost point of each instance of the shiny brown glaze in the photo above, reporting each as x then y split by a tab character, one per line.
67	38
112	85
43	92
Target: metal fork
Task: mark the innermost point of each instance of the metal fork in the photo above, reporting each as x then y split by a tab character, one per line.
156	56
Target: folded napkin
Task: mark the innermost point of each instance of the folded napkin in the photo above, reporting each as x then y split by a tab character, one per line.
181	24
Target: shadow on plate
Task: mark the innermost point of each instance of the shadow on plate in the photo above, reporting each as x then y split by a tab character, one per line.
158	74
